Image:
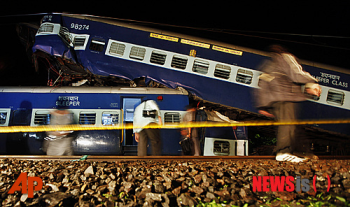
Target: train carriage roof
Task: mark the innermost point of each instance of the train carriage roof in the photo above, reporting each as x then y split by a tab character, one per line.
136	25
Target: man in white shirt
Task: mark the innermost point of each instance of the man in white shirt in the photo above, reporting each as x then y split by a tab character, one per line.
147	114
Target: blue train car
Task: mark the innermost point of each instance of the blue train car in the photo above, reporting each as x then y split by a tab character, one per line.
31	106
214	71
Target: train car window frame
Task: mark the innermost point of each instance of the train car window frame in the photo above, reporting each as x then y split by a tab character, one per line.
200	66
46	28
179	62
116	49
222	71
310	96
42	117
87	117
335	100
158	57
137	53
81	44
221	147
97	45
244	76
21	117
4	117
175	117
110	121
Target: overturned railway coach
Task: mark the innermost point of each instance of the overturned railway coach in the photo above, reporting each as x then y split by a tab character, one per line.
214	71
98	106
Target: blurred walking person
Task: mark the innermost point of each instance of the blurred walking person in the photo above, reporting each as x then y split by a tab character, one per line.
191	133
280	90
59	142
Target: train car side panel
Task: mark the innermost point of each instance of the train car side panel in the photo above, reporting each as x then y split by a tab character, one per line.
32	108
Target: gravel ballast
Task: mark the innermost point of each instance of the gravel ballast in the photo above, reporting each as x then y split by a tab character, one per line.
172	183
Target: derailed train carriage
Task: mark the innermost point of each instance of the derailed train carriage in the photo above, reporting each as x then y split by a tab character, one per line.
99	51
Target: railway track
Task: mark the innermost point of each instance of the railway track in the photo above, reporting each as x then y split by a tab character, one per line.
133	180
153	158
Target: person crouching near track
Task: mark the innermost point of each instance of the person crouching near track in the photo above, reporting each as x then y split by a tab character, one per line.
147	114
59	142
280	90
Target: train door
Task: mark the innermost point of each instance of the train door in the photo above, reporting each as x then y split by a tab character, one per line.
17	143
129	143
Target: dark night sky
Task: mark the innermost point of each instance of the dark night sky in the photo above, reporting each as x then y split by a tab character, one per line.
316	31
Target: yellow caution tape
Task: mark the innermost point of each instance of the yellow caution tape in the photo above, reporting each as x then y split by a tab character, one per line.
45	128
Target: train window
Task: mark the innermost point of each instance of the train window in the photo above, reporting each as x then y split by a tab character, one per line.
221	148
222	71
244	76
310	96
46	28
158	57
137	53
117	49
42	118
200	66
179	62
3	116
79	42
172	117
97	45
21	117
335	97
87	118
110	118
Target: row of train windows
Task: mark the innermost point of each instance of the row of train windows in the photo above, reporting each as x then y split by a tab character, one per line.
90	118
334	97
84	118
107	118
158	57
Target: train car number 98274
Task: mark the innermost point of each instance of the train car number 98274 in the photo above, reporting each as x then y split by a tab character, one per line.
79	26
